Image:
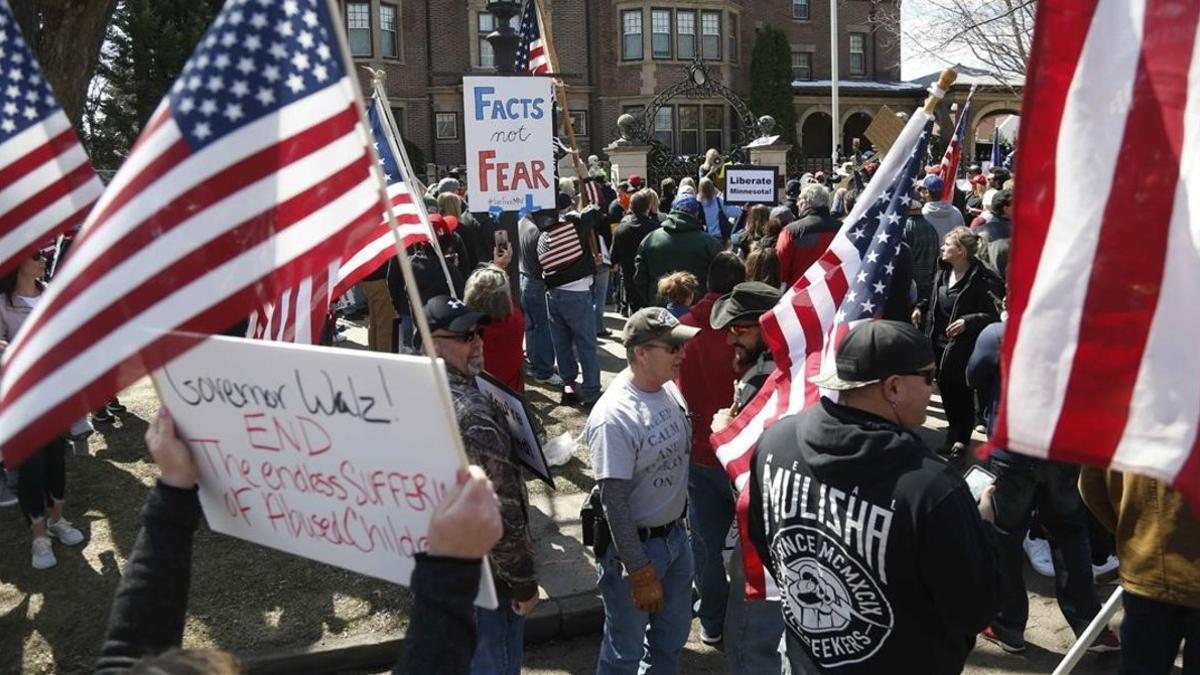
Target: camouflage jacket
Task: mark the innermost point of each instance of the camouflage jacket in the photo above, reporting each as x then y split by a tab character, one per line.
487	442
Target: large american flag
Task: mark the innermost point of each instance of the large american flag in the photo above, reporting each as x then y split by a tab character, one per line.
532	58
47	184
848	284
1100	356
953	154
251	175
298	313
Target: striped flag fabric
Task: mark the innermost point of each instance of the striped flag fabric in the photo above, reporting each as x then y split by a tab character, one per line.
848	284
297	314
532	58
251	174
1100	361
953	154
47	185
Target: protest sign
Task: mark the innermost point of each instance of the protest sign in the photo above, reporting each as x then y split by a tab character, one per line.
509	142
750	184
330	454
526	446
885	128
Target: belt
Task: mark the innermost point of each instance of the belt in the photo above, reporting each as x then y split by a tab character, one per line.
645	533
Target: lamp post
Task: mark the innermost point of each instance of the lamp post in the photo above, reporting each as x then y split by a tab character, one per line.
504	38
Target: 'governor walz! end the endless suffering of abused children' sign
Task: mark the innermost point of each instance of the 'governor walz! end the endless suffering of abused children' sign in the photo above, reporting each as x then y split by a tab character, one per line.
510	143
330	454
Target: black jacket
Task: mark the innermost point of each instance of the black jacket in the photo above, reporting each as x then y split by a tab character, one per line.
150	604
431	278
978	305
881	558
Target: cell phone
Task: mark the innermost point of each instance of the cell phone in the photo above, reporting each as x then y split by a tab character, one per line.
501	238
978	479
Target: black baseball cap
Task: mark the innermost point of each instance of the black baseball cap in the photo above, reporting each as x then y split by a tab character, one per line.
874	351
446	313
656	323
748	300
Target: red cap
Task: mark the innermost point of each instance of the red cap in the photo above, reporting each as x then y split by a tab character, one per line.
443	225
635	180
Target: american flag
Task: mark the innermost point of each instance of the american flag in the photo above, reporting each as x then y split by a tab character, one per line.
1100	354
47	184
532	57
953	152
251	175
298	313
847	285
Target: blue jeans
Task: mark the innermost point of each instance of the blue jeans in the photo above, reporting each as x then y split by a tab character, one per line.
538	345
710	513
753	628
637	642
1150	635
600	294
500	645
1050	487
573	329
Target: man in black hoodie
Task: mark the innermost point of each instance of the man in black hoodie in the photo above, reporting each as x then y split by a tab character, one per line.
880	553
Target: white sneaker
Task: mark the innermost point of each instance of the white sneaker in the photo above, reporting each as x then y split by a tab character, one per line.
1038	552
7	498
553	381
43	555
1109	566
710	639
63	532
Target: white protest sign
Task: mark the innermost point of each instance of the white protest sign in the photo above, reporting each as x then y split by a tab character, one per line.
509	141
750	184
335	455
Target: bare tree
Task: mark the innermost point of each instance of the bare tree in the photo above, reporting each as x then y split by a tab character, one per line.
997	33
66	35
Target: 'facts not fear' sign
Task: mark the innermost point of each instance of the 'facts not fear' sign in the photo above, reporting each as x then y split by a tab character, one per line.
509	140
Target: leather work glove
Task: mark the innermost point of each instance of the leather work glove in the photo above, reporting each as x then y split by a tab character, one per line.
647	589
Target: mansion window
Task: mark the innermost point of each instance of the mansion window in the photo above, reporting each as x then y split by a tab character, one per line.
801	66
631	35
358	28
858	54
800	9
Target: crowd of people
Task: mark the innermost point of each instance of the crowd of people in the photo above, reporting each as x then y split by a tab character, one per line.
877	552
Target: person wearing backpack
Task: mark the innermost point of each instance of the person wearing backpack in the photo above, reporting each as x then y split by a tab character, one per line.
716	212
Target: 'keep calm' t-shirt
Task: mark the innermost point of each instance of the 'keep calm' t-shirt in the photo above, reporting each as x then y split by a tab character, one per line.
643	437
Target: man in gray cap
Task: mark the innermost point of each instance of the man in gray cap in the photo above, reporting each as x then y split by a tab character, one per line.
640	436
880	552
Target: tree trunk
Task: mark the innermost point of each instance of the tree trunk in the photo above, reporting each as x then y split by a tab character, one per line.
66	35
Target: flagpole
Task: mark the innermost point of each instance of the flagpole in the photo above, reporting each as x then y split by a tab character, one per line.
833	65
396	143
568	123
410	281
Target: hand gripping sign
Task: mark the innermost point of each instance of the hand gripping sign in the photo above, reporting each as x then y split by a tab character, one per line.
330	454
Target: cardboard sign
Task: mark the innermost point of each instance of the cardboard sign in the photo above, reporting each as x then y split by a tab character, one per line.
330	454
884	129
509	142
750	184
526	446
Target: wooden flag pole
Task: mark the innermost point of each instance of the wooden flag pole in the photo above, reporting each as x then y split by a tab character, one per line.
396	143
568	123
410	281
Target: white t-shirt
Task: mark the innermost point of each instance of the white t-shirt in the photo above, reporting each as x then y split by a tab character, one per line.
646	438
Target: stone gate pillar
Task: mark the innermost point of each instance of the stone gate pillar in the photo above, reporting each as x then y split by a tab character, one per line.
769	151
626	155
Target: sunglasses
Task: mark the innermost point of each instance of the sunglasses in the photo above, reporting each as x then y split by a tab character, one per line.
740	330
671	349
465	337
930	375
